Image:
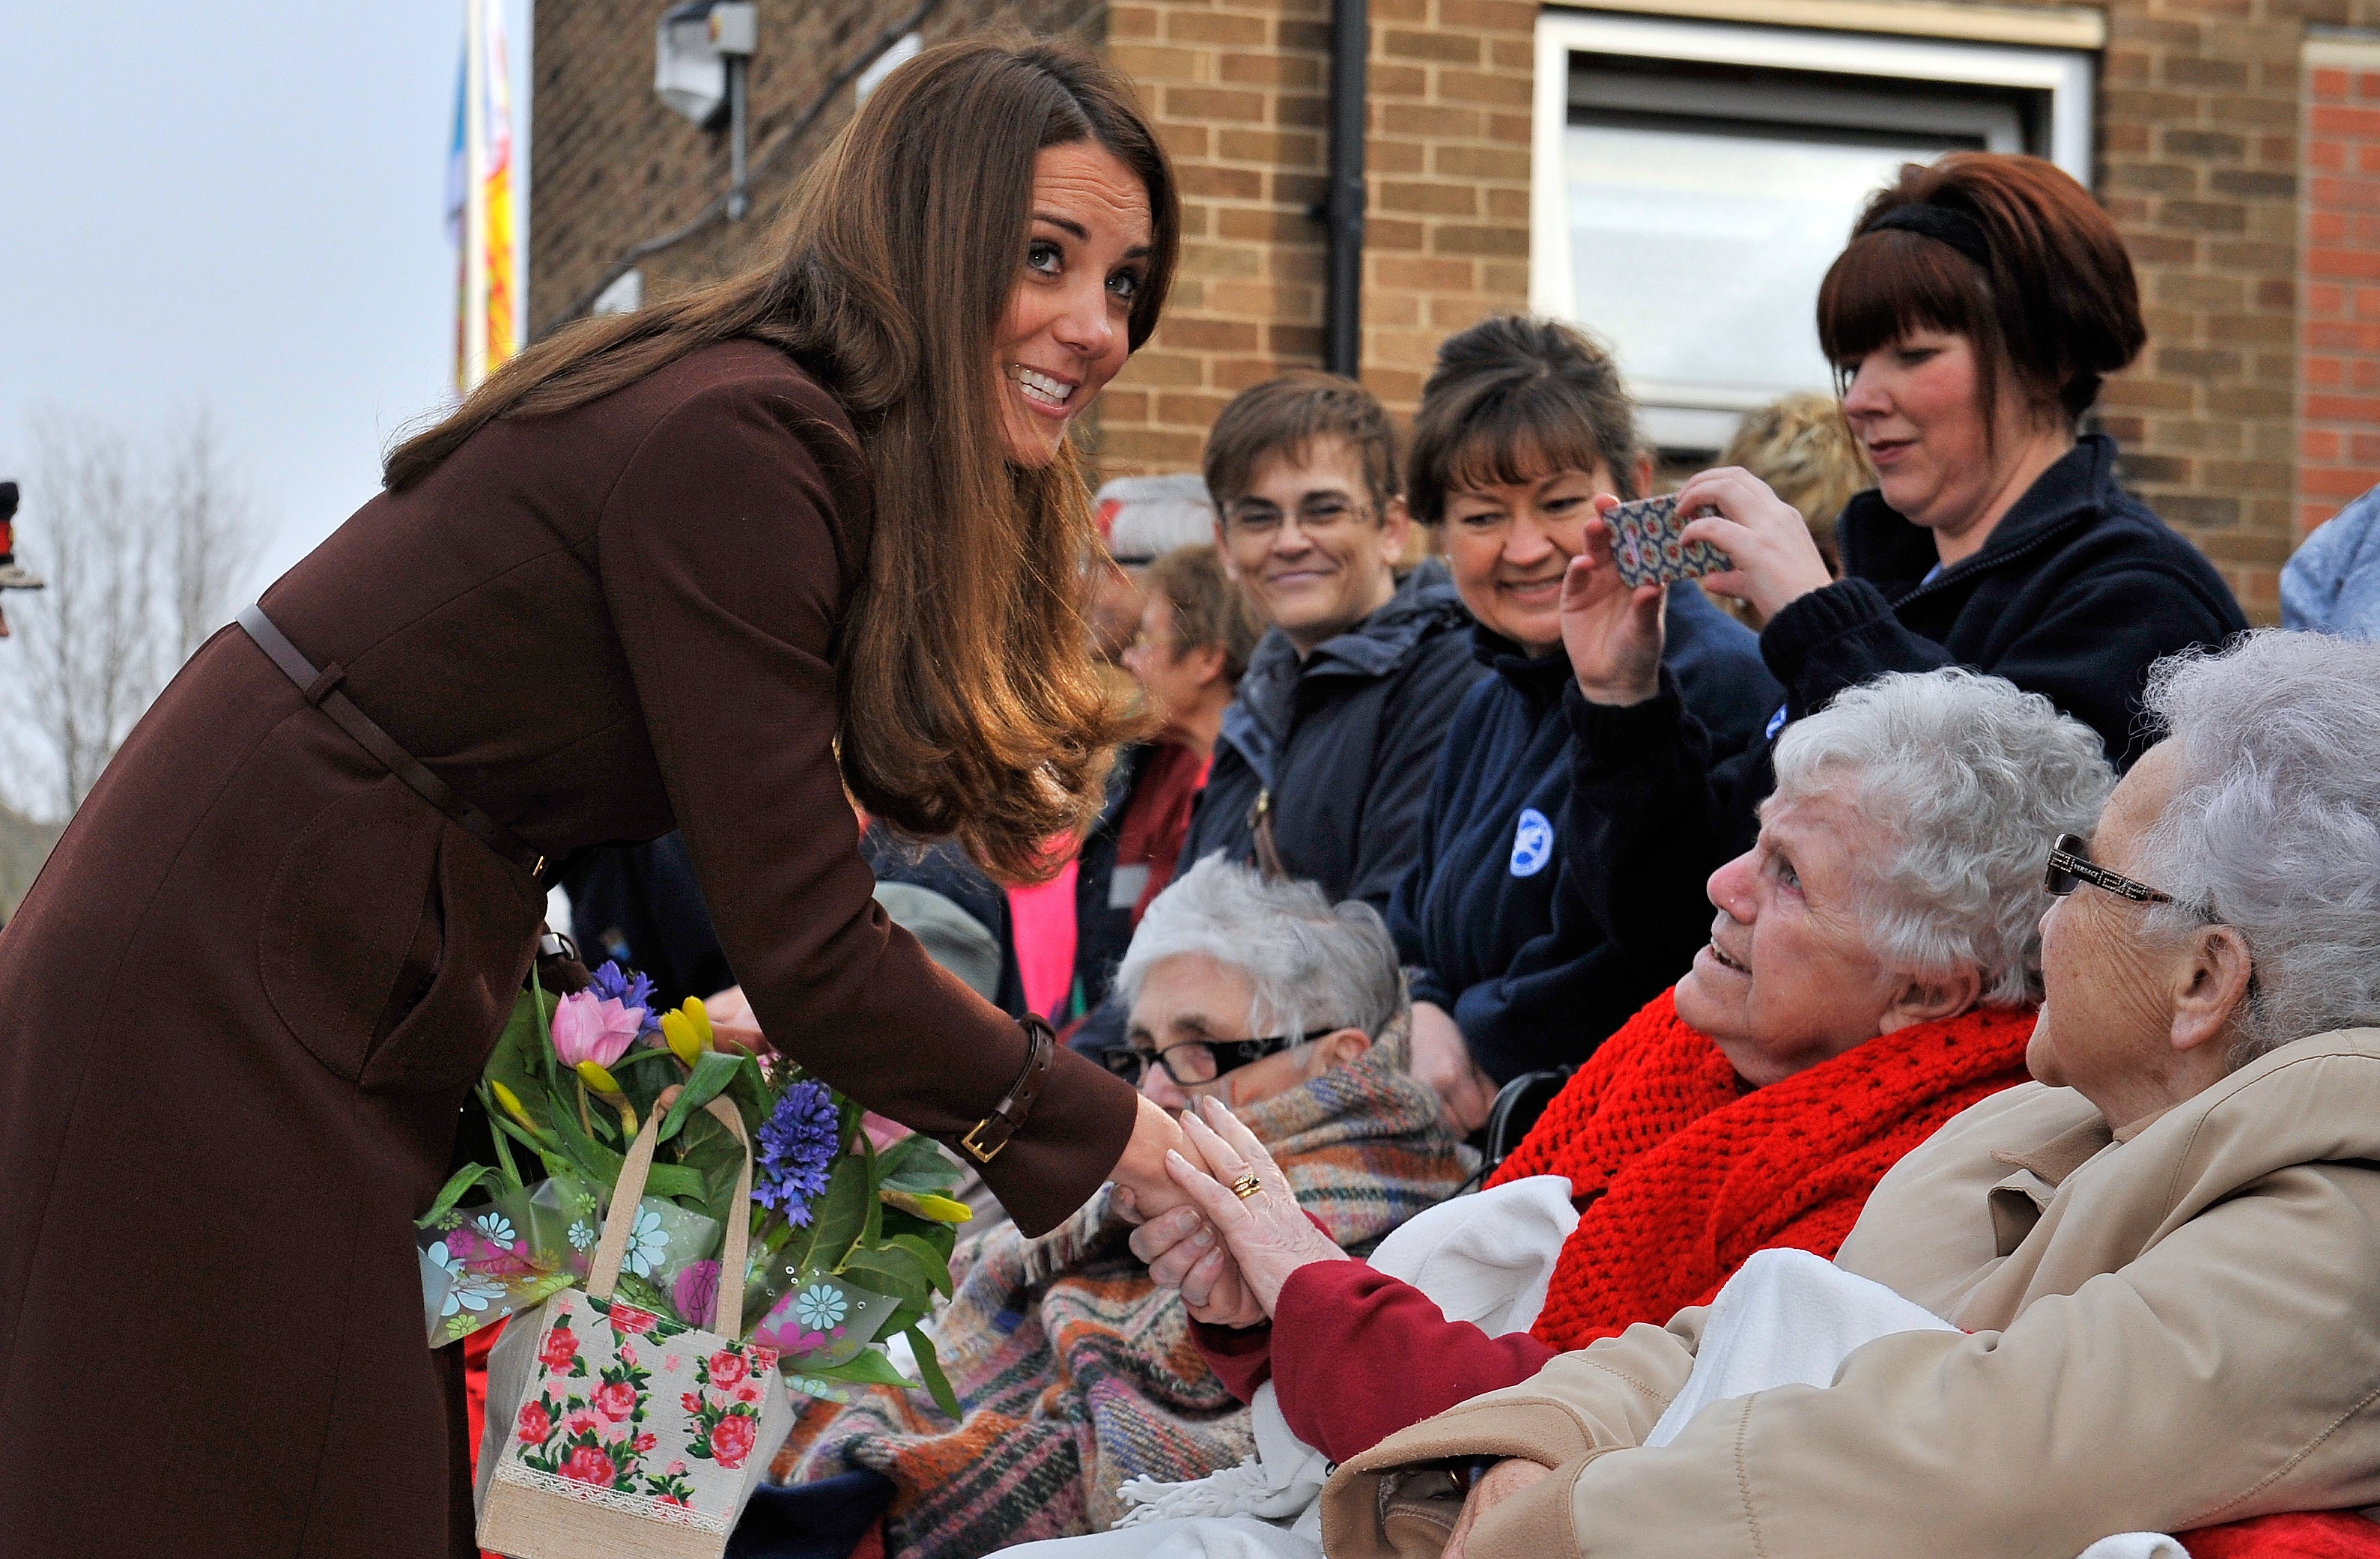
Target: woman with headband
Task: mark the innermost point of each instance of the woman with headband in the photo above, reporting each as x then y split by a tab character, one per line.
1981	303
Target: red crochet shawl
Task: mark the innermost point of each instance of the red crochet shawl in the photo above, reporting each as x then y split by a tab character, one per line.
1680	1173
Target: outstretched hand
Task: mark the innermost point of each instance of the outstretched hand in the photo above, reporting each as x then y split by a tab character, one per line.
1766	539
1611	630
1267	1233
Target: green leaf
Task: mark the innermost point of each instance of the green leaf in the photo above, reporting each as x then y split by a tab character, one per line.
645	1294
937	1264
918	1165
868	1367
710	1151
463	1179
930	1367
841	1215
894	1270
597	1163
673	1180
712	1072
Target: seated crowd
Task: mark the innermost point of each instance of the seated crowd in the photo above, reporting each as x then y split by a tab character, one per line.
1952	1145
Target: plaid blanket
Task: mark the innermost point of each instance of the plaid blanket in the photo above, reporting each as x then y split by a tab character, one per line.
1078	1374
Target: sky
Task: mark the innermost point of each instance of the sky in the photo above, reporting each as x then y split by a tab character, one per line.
237	206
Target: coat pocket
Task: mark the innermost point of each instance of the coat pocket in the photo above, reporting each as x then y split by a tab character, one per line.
393	941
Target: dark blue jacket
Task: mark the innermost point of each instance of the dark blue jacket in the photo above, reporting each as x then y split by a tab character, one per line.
1482	917
1346	740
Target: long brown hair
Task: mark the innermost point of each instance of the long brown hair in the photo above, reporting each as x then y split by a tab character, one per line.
969	705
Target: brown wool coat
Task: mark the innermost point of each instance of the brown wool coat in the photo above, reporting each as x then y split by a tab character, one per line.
243	1004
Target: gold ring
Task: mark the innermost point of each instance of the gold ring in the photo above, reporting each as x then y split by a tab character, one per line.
1246	1186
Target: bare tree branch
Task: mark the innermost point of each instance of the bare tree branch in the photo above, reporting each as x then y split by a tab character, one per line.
143	557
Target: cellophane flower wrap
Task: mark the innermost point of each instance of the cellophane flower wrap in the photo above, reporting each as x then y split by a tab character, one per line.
849	1243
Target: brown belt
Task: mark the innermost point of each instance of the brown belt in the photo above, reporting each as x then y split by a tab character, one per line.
321	688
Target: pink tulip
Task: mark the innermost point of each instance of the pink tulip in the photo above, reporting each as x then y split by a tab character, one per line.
592	1028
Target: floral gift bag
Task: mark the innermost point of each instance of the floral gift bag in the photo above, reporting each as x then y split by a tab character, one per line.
614	1431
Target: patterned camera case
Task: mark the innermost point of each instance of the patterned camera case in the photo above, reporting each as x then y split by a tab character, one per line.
1649	549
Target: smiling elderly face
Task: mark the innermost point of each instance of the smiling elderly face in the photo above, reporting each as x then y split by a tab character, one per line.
1786	979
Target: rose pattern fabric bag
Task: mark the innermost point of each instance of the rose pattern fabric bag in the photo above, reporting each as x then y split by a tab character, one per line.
614	1431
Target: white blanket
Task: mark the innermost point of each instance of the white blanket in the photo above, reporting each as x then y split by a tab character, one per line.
1486	1259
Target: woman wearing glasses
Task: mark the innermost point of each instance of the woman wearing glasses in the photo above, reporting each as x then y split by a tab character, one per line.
1869	973
1074	1367
2160	1263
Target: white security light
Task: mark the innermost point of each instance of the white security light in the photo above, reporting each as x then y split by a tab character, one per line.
691	53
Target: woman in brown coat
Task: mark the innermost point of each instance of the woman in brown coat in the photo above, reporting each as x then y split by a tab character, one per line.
702	567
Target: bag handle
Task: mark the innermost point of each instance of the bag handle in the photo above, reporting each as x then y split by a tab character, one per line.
604	1276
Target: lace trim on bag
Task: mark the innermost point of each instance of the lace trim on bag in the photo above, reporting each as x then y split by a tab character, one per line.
644	1506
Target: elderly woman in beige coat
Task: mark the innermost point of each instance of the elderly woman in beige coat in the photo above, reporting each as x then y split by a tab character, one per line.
2162	1258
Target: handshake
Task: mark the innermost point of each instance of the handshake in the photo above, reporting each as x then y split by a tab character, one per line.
1241	1235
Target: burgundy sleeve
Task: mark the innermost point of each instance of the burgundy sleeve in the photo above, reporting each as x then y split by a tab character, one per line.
1357	1355
1240	1356
719	551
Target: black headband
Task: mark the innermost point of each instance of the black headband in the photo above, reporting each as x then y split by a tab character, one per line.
1944	224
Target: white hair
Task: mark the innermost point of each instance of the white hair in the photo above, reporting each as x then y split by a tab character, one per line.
2274	826
1967	782
1314	966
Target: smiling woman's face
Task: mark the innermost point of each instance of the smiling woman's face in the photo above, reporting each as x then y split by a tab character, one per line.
1786	979
1506	548
1067	329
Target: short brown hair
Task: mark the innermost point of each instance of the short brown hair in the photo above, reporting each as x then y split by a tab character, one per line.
1515	398
1285	415
2057	308
1802	447
1208	608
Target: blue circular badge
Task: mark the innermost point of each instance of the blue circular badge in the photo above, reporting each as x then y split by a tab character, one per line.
1533	843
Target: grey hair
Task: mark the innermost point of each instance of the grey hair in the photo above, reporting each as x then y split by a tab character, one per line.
1313	965
2274	825
1968	781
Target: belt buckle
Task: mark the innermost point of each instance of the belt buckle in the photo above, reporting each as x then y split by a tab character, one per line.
976	1150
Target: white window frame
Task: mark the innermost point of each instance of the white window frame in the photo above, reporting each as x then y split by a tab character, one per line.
2065	75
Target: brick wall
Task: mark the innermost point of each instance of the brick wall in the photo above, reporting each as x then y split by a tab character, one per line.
1239	88
2339	425
615	166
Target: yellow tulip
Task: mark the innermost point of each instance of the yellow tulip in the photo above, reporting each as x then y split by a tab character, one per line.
595	1077
700	1015
679	1033
940	1209
512	1104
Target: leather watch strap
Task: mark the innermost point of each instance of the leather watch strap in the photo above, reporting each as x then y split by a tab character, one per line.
990	1134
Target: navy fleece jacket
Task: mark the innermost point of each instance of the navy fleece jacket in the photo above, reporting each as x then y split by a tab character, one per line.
1483	918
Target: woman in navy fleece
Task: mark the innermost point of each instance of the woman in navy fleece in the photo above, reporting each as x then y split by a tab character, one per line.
1522	424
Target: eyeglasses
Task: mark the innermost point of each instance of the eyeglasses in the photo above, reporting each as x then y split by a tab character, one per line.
1323	516
1194	1061
2070	864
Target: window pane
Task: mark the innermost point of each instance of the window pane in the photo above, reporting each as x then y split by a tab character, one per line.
1698	251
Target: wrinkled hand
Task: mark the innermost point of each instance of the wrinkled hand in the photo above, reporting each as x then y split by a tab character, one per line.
1613	631
1183	1252
1503	1481
1765	537
1442	1060
733	1026
1267	1233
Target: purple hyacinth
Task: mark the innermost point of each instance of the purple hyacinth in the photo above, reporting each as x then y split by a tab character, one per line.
611	983
799	1142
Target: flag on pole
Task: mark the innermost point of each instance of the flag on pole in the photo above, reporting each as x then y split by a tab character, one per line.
480	201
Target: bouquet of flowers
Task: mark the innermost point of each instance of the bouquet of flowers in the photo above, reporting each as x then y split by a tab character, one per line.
848	1243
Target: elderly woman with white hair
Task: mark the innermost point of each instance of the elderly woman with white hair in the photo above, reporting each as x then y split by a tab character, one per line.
1075	1369
2156	1270
1870	972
